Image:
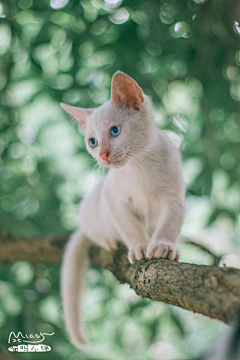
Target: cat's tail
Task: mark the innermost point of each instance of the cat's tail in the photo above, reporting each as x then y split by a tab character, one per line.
75	262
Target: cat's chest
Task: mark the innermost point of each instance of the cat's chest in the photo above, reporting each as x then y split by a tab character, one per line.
141	204
145	209
140	192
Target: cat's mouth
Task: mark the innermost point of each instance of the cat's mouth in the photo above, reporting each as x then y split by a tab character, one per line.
114	163
117	164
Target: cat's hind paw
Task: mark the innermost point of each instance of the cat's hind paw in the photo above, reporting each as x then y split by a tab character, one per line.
162	249
137	253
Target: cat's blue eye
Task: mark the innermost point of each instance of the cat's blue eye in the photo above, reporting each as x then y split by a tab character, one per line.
115	130
93	142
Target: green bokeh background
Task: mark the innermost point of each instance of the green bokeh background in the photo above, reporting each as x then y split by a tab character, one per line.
186	56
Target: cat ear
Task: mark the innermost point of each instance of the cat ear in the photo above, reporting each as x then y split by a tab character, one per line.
125	91
78	113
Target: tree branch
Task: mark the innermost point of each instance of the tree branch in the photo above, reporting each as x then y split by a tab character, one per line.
208	290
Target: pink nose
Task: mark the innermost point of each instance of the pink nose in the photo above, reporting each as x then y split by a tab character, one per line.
104	155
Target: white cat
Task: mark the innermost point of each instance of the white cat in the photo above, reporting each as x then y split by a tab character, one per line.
141	201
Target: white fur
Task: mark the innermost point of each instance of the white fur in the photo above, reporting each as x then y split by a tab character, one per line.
141	201
75	263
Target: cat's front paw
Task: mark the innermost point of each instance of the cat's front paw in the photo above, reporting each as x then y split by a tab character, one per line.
160	248
137	253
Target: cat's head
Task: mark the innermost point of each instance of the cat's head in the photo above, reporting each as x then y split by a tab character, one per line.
117	131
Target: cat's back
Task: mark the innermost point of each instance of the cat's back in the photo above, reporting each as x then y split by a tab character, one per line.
168	157
172	170
166	146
